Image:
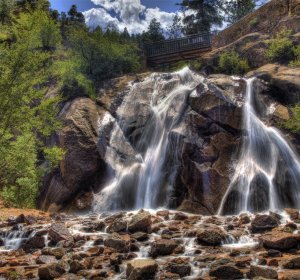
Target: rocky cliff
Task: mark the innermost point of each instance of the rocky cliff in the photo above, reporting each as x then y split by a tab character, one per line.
208	136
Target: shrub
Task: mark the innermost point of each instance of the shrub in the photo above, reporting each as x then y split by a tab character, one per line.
231	63
293	123
53	155
296	61
281	48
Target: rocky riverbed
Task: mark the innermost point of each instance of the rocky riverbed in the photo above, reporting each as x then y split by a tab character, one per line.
159	244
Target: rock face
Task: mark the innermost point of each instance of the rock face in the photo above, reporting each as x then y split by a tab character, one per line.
141	269
107	140
263	222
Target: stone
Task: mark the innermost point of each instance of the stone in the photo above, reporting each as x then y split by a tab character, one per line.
179	216
211	236
293	213
35	242
163	247
263	223
226	272
140	222
262	271
51	271
280	240
76	266
58	232
181	269
45	259
117	226
293	263
140	236
57	252
116	242
141	269
274	253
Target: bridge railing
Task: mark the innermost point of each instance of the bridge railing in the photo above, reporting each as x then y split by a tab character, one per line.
193	42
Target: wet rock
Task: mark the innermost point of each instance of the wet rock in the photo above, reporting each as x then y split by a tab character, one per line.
140	222
35	242
211	236
293	213
244	219
117	226
140	236
29	220
179	216
58	252
224	269
162	247
280	240
116	242
290	227
93	227
76	266
274	253
293	263
141	269
262	271
45	259
51	271
58	232
263	223
1	242
181	269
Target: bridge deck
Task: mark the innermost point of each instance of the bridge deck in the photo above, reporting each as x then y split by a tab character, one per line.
177	49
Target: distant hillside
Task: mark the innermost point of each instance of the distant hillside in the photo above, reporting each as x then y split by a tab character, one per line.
268	19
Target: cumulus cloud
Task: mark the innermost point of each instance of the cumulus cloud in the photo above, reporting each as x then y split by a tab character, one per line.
126	13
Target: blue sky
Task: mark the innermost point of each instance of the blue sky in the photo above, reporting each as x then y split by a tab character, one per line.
84	5
135	15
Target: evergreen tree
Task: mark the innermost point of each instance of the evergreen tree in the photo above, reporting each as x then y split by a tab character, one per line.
175	30
205	14
74	15
237	9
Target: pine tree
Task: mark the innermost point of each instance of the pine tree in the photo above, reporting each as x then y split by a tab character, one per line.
175	30
205	14
237	9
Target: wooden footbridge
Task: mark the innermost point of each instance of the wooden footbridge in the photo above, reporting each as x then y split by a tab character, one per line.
173	50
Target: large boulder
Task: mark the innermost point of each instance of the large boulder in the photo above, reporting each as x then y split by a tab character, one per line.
58	232
263	223
51	271
140	269
262	271
163	247
140	222
280	240
82	163
211	236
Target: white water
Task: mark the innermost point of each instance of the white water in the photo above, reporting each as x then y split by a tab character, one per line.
146	182
267	175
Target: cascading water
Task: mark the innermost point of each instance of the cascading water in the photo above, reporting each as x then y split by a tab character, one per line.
146	181
267	175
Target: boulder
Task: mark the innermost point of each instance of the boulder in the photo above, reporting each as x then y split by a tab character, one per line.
163	247
58	232
116	242
140	222
76	266
35	242
181	269
213	236
51	271
226	271
262	271
117	226
280	240
263	223
293	263
140	269
45	259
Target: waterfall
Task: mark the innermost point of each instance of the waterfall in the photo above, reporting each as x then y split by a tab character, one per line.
267	175
146	180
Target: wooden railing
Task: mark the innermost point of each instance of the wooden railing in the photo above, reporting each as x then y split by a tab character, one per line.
199	41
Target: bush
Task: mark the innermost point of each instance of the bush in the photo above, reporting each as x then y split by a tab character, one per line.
281	48
293	123
232	64
296	61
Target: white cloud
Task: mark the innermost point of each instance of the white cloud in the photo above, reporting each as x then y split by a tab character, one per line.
126	13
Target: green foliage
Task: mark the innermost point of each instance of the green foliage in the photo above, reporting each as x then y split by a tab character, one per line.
280	48
293	123
296	61
237	9
25	113
205	14
253	22
53	155
231	63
